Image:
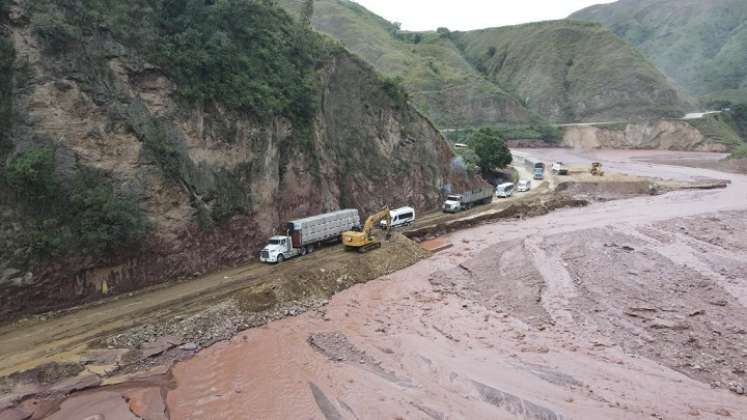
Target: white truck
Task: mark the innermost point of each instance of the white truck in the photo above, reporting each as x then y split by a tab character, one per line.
466	200
559	168
305	234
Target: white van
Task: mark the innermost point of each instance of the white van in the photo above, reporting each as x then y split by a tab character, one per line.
504	190
401	217
524	185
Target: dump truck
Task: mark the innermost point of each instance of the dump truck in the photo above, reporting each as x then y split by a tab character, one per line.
468	199
305	235
364	240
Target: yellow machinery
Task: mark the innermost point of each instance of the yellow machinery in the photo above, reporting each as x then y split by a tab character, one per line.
364	240
596	169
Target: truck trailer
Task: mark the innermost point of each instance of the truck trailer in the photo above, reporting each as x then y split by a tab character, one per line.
466	200
304	235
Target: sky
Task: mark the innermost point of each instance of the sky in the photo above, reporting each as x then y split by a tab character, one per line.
423	15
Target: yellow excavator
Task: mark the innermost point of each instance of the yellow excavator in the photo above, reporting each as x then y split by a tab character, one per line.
596	169
364	240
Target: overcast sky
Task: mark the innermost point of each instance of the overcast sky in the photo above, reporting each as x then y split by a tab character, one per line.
423	15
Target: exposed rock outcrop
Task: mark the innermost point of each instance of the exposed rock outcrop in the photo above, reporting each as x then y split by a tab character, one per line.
660	134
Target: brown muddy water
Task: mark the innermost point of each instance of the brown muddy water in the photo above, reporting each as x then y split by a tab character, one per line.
605	312
628	309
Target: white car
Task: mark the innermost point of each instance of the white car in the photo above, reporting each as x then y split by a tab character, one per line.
504	190
524	185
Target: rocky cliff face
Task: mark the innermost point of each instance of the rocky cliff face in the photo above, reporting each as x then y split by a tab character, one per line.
660	134
212	183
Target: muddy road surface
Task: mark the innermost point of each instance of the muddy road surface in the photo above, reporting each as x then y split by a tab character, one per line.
627	309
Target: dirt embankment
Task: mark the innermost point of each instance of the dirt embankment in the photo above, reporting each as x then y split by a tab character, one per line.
660	134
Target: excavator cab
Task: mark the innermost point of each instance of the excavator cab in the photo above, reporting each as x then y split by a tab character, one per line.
365	240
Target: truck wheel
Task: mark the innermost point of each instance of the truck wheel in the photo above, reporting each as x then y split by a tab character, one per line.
309	249
303	251
281	258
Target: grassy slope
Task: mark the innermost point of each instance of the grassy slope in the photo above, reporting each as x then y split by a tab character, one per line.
572	71
700	44
441	82
720	127
448	82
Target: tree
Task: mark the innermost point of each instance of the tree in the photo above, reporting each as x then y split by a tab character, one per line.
307	12
491	150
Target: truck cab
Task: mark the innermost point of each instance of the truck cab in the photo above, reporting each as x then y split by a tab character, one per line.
277	250
453	203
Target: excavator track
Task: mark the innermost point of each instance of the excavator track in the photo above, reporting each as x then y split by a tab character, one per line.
369	247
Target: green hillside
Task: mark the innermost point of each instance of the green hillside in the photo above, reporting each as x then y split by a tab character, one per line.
702	45
561	71
572	71
440	81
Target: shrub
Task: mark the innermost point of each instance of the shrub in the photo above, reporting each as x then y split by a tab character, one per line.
491	150
7	61
103	219
394	89
54	30
739	153
31	175
90	216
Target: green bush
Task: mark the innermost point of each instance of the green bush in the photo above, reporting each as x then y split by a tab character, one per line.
32	175
7	63
491	150
739	153
102	218
90	216
249	55
394	88
54	30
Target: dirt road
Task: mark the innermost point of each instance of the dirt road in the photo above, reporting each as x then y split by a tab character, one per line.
622	310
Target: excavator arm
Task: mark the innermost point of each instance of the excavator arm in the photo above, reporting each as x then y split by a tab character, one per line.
364	240
374	219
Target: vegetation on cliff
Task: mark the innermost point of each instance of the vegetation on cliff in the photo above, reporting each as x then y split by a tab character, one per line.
87	214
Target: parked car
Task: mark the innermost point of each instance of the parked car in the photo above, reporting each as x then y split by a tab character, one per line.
401	217
505	190
524	185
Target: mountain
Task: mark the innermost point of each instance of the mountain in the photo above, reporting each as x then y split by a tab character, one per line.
702	45
130	155
438	78
457	78
571	71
